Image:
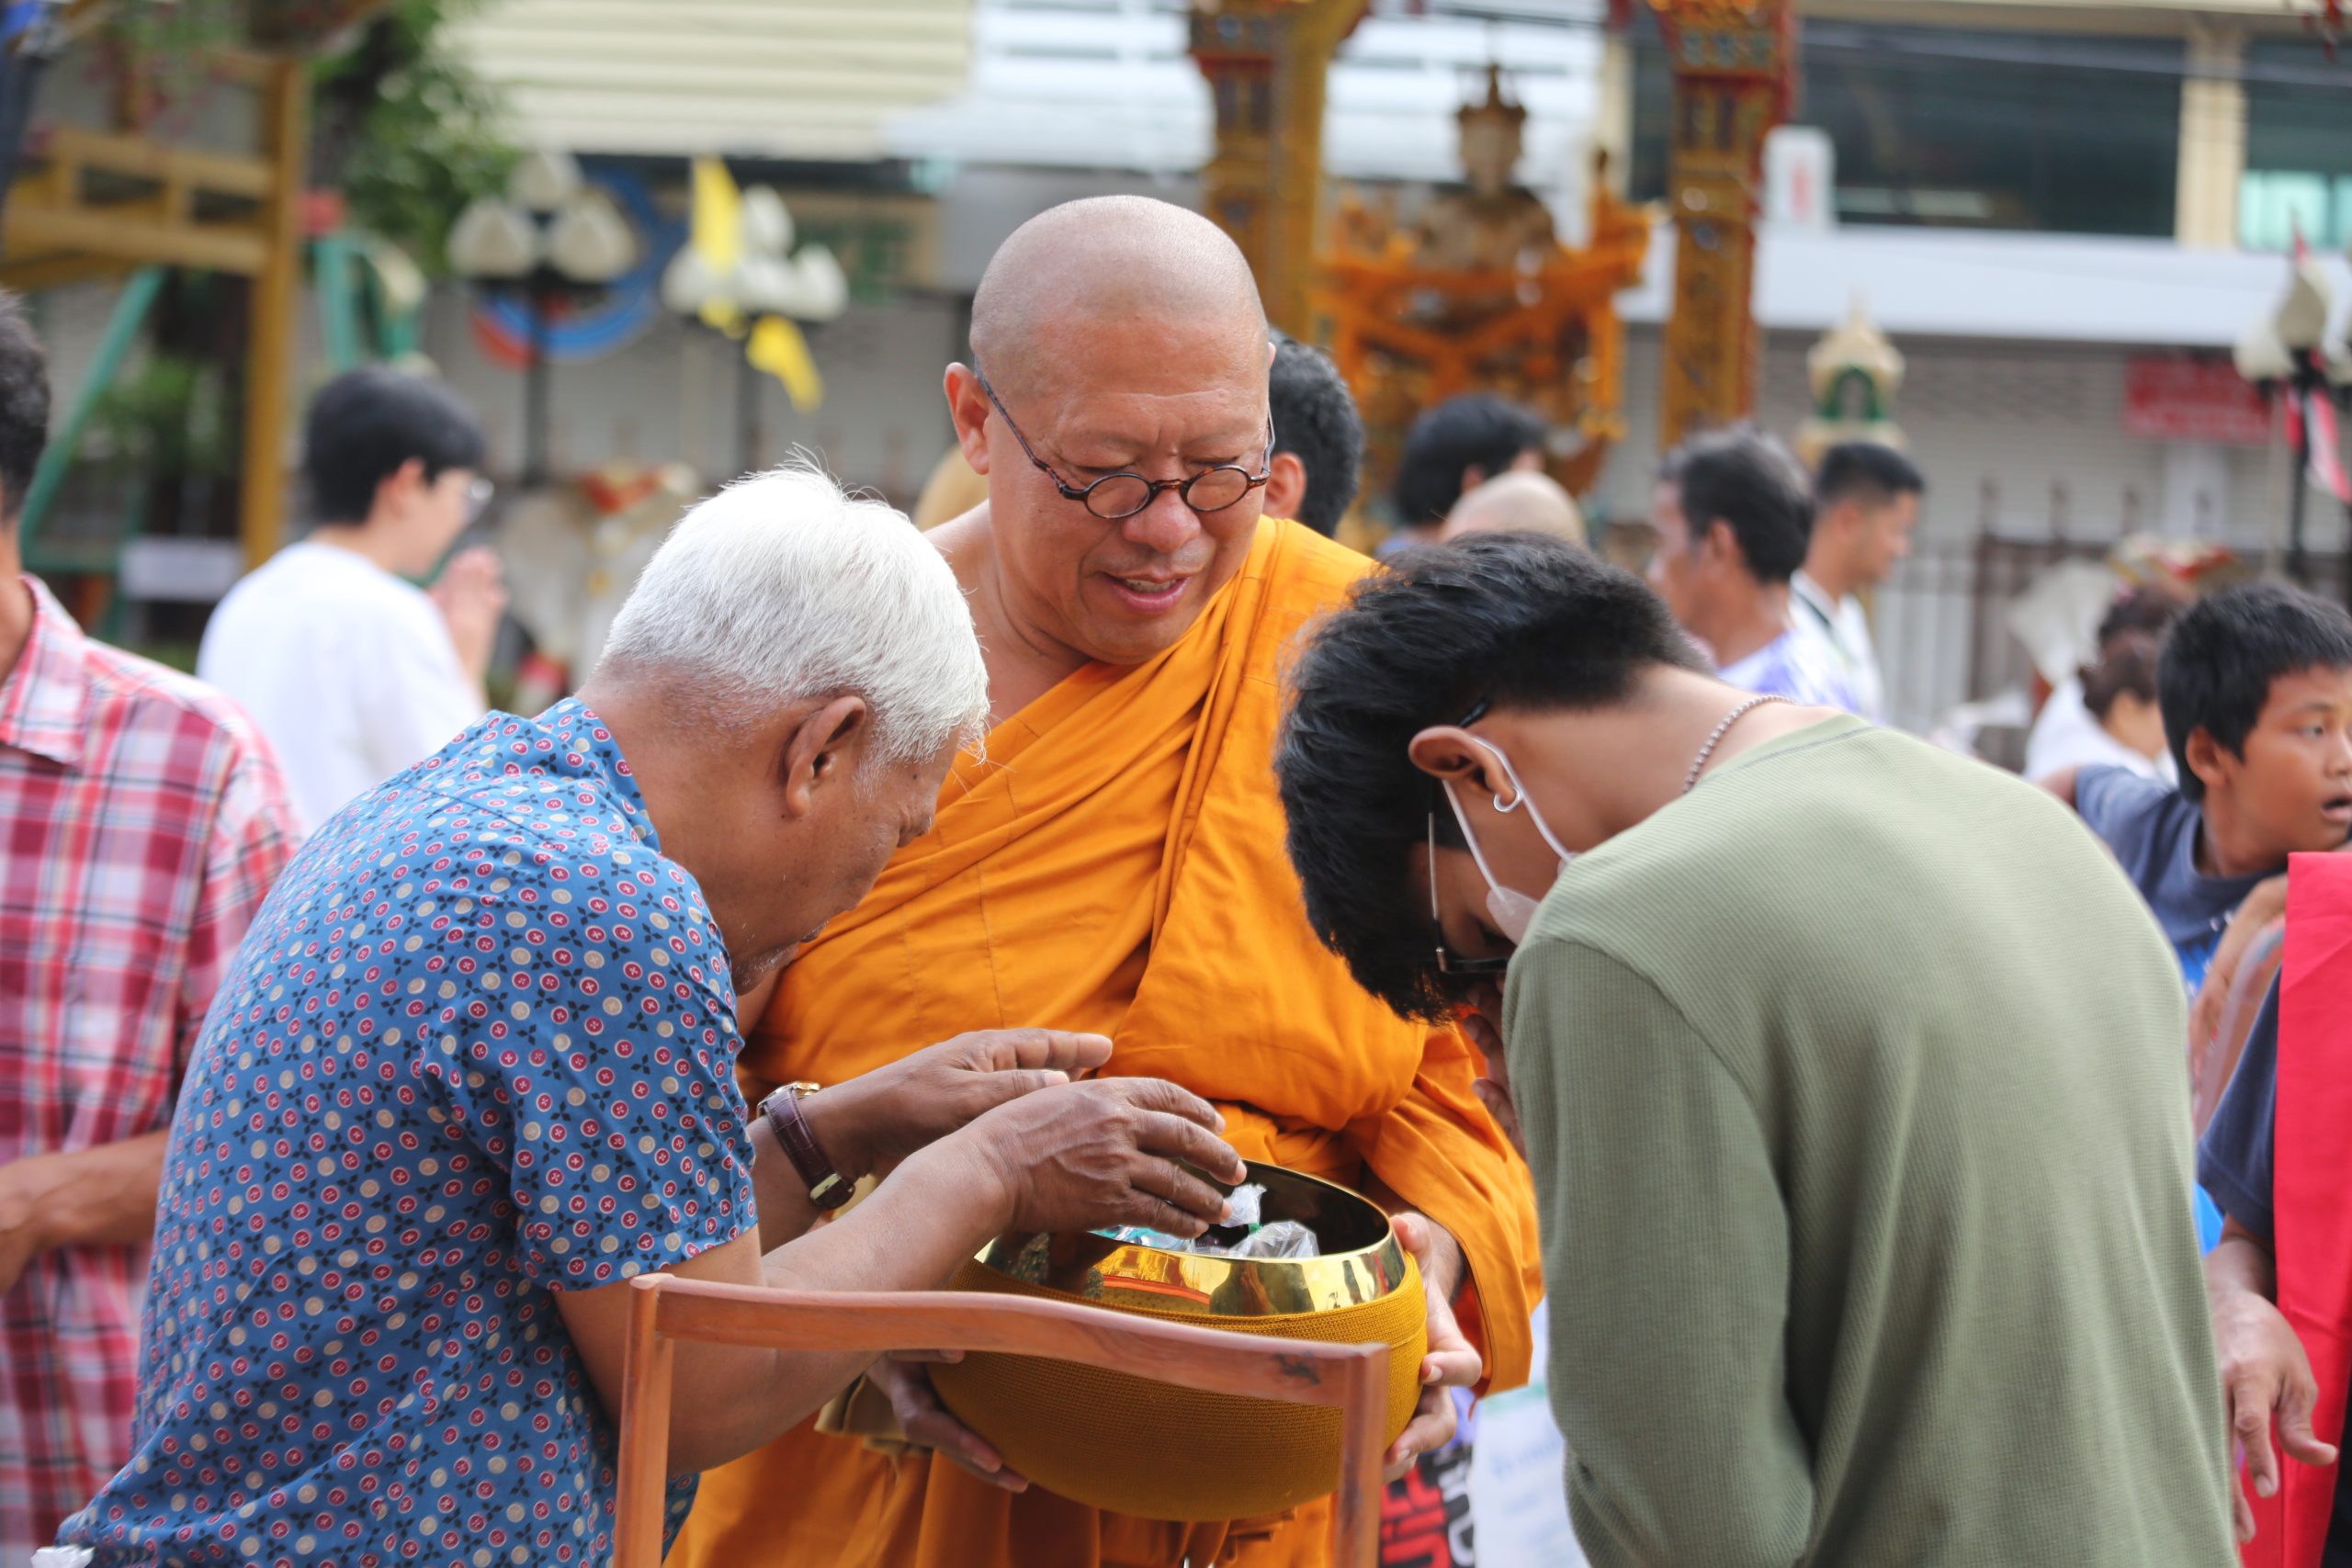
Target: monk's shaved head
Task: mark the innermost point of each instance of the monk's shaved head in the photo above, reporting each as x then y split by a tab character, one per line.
1125	343
1115	263
1518	502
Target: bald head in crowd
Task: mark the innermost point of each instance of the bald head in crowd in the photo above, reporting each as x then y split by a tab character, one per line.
1117	336
1518	502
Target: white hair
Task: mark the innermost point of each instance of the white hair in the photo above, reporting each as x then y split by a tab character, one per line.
781	588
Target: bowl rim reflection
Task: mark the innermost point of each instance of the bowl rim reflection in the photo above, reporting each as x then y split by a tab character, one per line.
1135	1275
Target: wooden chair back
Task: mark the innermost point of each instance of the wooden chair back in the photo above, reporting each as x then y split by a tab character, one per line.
664	1310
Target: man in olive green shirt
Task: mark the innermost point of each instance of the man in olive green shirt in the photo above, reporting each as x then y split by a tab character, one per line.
1849	1071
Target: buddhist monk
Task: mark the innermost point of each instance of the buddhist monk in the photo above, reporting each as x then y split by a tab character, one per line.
1114	864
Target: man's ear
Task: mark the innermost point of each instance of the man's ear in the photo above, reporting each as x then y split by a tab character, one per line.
2208	758
821	751
1450	752
1724	544
1286	485
400	490
968	408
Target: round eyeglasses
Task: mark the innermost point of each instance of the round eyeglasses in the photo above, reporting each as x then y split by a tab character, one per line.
1114	496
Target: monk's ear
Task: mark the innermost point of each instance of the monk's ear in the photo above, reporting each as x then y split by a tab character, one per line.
819	753
968	407
1449	751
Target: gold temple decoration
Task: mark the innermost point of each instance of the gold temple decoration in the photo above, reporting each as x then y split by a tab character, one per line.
1266	62
1491	220
1476	293
1734	72
1855	374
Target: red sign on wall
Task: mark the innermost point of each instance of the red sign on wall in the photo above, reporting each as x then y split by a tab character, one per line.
2172	397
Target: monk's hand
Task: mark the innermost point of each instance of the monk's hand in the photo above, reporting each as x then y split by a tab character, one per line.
868	1123
1451	1361
2265	1377
1481	1026
926	1423
1106	1152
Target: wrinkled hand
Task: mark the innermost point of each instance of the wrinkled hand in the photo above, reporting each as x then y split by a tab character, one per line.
868	1123
1104	1153
1482	1025
2264	1374
1452	1362
2264	904
471	594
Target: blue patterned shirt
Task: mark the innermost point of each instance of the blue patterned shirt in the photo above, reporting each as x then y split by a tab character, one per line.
477	1047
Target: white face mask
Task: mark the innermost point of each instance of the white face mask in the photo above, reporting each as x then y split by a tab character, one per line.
1512	910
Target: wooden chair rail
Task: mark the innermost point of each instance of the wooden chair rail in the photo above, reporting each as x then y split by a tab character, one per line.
664	1310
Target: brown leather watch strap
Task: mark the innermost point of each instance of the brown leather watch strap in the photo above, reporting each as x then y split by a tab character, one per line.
828	1190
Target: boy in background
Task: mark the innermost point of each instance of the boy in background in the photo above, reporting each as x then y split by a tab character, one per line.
351	671
2256	687
1866	503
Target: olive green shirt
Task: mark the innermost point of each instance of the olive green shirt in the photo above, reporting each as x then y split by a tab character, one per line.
1853	1088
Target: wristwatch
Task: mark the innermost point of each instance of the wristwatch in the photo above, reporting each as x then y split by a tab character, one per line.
828	1188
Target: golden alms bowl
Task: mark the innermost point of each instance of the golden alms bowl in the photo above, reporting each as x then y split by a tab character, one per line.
1136	1445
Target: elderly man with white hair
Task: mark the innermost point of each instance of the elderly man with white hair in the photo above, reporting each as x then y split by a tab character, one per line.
474	1068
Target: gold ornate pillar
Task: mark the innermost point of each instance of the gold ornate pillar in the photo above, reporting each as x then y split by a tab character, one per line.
1265	62
2212	139
1734	69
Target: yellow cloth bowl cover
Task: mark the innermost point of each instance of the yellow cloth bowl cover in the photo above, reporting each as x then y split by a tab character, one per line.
1132	1445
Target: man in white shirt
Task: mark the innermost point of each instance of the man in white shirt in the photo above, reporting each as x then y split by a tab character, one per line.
1732	510
1866	501
352	672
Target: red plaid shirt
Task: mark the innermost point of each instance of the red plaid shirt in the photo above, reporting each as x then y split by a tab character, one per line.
144	820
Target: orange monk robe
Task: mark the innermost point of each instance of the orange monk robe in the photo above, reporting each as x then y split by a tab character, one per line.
1117	865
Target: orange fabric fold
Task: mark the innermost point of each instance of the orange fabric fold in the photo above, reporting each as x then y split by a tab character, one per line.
1115	863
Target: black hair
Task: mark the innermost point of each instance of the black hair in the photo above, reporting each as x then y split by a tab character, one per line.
24	406
1867	471
1472	430
1744	479
365	423
2143	609
2127	662
1504	618
2223	652
1315	422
